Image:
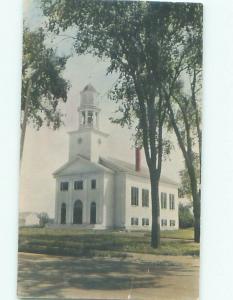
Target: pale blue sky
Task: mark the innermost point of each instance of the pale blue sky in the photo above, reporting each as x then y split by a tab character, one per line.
46	150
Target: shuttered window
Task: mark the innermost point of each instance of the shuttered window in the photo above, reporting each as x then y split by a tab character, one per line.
163	200
145	198
64	186
78	185
134	221
145	222
171	201
134	196
163	222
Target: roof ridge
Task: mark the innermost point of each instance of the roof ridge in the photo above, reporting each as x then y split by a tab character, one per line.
126	162
129	167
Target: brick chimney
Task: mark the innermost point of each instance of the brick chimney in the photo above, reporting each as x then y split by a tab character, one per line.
137	159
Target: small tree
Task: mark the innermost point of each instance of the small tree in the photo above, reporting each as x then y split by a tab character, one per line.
186	218
184	111
43	219
183	100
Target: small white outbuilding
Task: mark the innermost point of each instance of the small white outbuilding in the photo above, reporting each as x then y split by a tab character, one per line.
94	190
28	219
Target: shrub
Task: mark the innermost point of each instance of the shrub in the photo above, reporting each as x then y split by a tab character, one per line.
186	218
44	219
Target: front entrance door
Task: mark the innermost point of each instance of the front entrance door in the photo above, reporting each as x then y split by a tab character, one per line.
78	212
93	213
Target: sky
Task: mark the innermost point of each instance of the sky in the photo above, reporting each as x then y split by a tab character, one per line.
46	150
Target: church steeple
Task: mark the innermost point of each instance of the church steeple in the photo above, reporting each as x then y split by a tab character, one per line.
88	141
89	110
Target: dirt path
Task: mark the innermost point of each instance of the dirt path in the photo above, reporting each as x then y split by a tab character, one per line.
142	277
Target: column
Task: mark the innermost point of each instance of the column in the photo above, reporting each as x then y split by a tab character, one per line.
86	117
87	201
81	118
56	219
94	119
97	120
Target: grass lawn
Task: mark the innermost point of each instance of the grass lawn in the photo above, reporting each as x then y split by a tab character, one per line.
185	234
90	243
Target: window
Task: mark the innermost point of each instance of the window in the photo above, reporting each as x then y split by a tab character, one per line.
145	198
134	196
78	185
172	223
134	221
64	186
93	213
163	200
145	222
63	213
93	184
163	222
171	201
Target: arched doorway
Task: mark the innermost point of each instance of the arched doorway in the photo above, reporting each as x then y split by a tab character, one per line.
63	213
93	213
78	212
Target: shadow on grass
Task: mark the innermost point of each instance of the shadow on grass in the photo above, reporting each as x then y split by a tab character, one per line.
40	276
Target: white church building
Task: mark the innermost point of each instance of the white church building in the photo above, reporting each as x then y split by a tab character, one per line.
94	190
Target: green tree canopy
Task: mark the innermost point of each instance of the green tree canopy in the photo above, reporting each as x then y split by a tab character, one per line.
185	216
42	83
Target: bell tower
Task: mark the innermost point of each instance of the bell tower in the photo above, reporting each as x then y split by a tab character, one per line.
88	141
88	110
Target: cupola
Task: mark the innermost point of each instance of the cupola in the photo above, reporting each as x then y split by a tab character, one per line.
89	110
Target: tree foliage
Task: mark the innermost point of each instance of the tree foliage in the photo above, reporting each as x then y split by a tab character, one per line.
185	189
42	83
44	219
186	218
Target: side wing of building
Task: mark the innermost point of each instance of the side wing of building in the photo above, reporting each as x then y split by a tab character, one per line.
132	198
137	204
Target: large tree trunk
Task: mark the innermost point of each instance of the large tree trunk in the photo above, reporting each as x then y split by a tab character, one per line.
155	230
23	132
196	212
25	119
196	194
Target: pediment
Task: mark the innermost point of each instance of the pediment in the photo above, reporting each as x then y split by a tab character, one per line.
77	166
